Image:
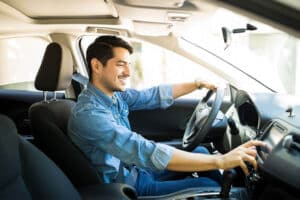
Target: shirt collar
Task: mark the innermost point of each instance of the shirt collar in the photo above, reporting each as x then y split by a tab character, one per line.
106	99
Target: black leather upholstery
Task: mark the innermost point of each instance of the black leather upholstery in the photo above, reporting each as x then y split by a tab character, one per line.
49	118
26	173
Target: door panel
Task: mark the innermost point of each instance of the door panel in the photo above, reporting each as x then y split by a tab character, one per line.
169	124
160	124
15	104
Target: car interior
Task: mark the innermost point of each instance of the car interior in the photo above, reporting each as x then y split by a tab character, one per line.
250	49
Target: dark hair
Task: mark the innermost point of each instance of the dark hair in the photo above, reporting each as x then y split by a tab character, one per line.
102	49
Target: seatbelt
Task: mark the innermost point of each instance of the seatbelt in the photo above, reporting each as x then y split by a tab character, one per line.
120	177
79	82
80	79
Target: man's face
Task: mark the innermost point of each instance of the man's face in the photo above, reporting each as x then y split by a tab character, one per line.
114	75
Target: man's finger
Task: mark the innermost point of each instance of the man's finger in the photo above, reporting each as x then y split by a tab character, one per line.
244	168
251	152
251	160
253	143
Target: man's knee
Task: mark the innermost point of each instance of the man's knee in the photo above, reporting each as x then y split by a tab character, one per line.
201	149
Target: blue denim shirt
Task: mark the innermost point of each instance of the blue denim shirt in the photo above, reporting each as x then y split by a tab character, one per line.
99	126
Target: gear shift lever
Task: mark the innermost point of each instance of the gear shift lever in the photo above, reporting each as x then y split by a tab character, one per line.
227	180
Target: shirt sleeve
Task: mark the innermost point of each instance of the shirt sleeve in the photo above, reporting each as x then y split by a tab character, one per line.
155	97
102	131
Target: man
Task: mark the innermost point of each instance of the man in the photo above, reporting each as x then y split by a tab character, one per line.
99	125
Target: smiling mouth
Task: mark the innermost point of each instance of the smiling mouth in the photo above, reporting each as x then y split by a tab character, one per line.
123	79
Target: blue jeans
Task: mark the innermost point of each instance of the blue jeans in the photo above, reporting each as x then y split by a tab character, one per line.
164	182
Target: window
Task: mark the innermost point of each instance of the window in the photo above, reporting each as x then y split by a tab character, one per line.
268	55
20	59
152	65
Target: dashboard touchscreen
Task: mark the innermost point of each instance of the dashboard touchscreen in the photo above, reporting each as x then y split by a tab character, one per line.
271	138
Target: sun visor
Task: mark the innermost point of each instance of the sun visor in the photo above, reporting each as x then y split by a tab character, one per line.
37	9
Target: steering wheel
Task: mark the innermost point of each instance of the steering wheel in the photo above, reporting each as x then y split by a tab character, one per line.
202	120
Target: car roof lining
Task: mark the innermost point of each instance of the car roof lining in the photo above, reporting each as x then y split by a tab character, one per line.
31	15
34	9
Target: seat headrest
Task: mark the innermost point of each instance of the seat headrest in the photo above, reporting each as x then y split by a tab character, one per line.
56	69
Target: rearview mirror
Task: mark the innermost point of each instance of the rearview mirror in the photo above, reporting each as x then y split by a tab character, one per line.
226	37
227	33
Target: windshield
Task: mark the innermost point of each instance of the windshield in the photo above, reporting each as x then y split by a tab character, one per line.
266	54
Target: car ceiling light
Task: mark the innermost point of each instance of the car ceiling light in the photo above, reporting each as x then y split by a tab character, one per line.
156	3
178	17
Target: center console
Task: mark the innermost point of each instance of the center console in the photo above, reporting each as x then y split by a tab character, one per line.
278	163
281	158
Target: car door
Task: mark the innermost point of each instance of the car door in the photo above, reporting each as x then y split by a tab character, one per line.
15	104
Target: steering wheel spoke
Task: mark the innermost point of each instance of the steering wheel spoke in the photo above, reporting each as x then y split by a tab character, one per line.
202	120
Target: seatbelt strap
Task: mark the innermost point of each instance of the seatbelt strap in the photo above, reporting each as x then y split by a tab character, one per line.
80	78
120	177
131	178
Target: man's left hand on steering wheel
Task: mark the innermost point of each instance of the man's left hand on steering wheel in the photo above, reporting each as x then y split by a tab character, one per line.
204	84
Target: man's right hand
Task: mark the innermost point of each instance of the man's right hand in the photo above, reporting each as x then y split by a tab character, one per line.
241	154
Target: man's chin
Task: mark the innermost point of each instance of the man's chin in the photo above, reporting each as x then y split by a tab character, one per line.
120	89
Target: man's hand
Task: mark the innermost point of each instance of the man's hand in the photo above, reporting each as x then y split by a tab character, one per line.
204	84
238	156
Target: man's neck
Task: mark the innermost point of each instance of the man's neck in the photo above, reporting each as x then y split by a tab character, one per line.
102	89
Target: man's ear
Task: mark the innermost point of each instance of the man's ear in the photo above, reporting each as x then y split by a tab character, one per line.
96	65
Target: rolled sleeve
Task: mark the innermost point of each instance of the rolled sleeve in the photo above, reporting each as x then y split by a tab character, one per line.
156	97
161	156
166	95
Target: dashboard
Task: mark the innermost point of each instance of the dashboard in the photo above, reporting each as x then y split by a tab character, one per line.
274	119
281	157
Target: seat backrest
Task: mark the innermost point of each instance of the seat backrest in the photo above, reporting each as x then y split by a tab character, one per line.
49	118
25	172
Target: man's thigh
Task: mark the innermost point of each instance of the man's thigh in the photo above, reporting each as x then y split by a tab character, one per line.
147	186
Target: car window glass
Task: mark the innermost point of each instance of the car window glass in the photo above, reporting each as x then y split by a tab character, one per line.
268	55
152	65
20	59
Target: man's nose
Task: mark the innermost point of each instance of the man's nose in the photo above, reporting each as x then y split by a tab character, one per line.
127	70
